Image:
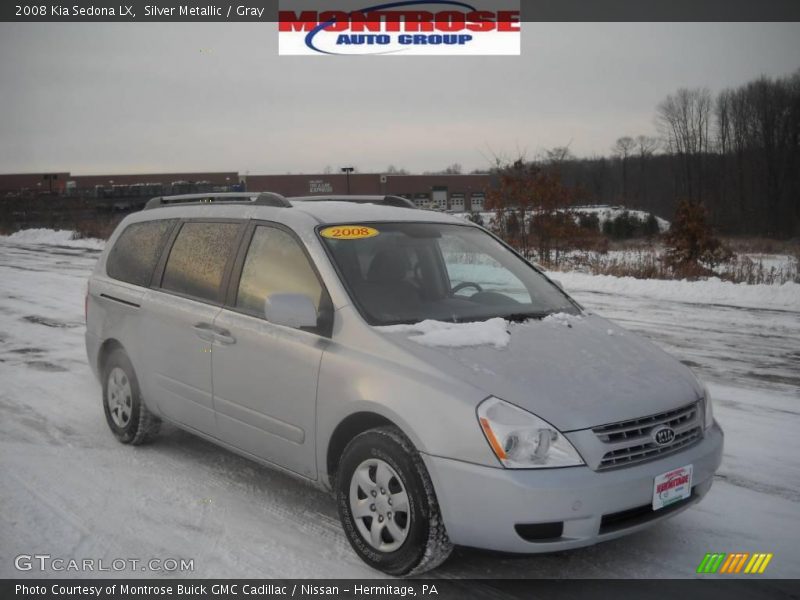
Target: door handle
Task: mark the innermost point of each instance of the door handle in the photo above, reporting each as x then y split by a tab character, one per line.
223	336
210	333
204	331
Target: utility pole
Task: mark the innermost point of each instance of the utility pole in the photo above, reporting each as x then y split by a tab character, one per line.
347	171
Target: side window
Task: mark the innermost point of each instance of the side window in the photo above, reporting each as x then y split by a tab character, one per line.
196	263
137	250
275	263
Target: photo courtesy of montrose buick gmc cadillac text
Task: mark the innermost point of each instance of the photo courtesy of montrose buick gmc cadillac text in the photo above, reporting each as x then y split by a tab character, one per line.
443	388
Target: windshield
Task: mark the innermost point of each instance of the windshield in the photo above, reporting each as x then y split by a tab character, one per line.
409	272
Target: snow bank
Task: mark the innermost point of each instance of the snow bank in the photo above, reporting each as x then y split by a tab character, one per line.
52	237
603	212
606	213
455	335
710	291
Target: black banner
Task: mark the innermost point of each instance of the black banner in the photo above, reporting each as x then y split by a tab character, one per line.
445	589
267	10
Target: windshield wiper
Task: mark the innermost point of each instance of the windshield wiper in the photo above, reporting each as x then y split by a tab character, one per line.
521	317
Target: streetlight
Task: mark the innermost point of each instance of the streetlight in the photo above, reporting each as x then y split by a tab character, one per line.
347	171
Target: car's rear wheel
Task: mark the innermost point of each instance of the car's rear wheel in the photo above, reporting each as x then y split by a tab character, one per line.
127	415
388	506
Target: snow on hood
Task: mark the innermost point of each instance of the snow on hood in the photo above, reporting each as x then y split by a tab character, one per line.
53	237
573	371
493	332
455	335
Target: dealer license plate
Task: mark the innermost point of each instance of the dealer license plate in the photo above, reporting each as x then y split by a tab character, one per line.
672	486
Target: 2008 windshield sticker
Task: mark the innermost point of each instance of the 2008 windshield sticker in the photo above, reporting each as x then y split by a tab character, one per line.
349	232
400	28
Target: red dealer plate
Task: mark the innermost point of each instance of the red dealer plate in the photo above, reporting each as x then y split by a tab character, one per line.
672	486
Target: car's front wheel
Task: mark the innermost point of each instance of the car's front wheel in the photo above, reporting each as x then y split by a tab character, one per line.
388	506
126	414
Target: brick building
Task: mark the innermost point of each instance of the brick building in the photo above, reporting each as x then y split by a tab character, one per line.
34	183
457	193
221	178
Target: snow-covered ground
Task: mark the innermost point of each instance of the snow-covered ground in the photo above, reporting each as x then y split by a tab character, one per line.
604	213
711	291
609	213
68	489
772	268
59	237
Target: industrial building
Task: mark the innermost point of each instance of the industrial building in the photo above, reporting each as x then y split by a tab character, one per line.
457	193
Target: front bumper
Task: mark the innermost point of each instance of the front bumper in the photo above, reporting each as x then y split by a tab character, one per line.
482	505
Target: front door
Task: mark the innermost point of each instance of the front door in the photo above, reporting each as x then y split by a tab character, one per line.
265	380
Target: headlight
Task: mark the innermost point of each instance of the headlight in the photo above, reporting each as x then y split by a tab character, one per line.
521	440
708	418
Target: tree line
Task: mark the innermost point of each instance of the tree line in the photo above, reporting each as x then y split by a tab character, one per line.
737	153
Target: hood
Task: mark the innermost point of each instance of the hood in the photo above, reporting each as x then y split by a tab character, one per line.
575	372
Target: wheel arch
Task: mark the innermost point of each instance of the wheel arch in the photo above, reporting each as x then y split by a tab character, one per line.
106	348
348	428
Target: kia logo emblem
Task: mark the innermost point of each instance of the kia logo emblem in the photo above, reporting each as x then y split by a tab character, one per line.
663	435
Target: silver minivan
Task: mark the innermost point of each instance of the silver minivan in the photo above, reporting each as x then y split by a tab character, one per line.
442	387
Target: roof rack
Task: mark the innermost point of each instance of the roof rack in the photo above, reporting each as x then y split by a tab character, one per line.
384	200
256	198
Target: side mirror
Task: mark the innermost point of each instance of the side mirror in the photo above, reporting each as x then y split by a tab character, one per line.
290	310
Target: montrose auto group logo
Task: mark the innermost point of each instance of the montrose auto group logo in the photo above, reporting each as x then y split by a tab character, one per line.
403	28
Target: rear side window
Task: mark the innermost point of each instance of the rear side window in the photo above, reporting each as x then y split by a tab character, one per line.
137	250
275	263
196	263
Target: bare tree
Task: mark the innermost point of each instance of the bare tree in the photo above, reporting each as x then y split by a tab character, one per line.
454	169
558	154
646	147
683	119
622	149
736	152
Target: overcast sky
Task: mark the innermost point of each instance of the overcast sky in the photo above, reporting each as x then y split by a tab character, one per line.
127	98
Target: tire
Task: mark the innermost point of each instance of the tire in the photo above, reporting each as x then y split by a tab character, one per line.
382	480
126	414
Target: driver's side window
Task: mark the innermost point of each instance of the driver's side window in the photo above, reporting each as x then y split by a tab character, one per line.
275	263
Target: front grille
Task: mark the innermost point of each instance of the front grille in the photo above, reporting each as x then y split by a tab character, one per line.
633	444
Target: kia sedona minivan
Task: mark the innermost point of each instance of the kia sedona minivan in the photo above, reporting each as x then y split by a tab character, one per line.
442	387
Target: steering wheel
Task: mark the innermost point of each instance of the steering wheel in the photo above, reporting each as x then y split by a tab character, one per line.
465	284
